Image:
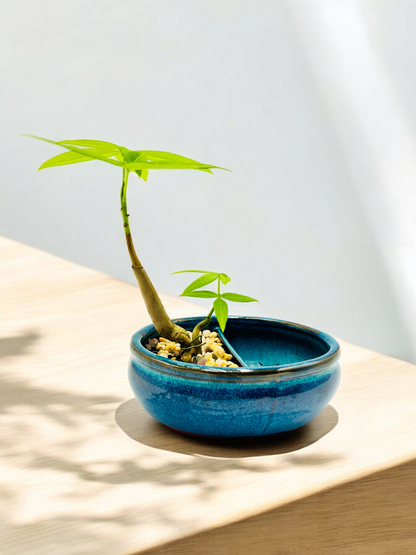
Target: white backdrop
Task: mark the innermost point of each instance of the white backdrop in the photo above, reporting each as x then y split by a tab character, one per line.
312	104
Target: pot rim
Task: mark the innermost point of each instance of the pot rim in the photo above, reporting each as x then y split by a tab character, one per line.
311	366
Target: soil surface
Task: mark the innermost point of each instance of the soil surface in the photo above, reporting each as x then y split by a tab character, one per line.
208	350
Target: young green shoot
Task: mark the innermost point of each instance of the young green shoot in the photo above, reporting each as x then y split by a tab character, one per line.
219	306
139	162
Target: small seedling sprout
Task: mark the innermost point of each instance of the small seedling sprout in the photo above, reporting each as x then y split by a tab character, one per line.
220	306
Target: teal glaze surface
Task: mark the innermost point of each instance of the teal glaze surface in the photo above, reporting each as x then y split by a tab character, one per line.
293	372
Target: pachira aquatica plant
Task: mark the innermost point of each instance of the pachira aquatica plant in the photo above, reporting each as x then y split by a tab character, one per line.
140	162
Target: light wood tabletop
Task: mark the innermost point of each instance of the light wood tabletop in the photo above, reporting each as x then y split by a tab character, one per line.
85	471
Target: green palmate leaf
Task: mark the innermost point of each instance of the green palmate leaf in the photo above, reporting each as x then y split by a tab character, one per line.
87	142
221	312
130	156
225	279
131	160
157	159
201	294
143	174
236	298
158	155
166	165
94	155
70	157
161	156
201	282
196	271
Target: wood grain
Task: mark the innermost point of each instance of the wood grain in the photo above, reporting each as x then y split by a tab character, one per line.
375	515
84	470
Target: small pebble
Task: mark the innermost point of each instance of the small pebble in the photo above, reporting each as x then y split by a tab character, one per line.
213	352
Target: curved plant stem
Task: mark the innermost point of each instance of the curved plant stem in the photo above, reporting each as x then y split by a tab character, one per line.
163	324
199	327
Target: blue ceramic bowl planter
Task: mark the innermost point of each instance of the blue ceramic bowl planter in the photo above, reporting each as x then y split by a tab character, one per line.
290	374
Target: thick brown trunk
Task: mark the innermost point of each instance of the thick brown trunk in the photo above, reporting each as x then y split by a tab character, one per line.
163	324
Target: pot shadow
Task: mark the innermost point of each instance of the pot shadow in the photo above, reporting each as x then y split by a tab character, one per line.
141	427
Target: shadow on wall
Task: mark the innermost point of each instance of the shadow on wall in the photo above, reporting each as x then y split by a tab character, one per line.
138	425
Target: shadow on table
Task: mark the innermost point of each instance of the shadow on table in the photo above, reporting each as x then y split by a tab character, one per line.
141	427
18	345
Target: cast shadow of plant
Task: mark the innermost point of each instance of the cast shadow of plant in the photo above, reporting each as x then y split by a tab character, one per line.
76	419
18	345
141	427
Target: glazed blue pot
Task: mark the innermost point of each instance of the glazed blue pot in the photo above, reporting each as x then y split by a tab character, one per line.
291	373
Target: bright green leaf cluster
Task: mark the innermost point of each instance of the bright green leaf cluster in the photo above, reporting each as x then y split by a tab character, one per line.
220	306
138	161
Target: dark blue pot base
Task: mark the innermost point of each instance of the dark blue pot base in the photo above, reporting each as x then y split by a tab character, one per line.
201	436
190	434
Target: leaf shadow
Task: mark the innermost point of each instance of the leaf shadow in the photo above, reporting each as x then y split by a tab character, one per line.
75	419
19	345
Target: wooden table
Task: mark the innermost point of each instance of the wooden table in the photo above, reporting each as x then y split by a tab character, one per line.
86	471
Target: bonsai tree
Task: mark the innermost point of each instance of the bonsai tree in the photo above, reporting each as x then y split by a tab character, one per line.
140	162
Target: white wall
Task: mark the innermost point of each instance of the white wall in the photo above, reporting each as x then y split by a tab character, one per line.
260	87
